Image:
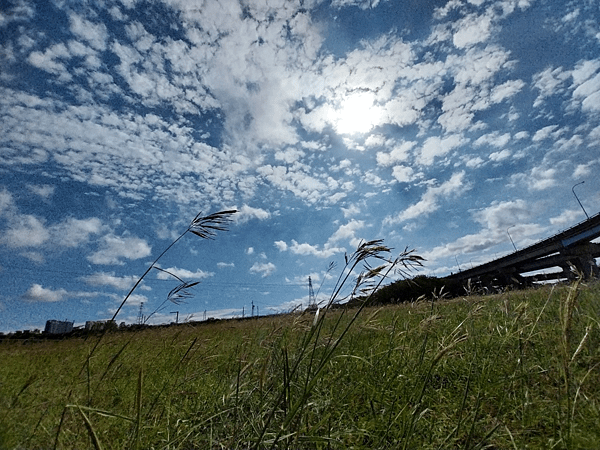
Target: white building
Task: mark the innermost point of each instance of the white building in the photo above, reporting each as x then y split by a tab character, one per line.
58	327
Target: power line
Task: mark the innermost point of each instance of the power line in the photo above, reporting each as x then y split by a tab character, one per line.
74	276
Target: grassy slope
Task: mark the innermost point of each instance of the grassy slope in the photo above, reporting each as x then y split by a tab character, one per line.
515	370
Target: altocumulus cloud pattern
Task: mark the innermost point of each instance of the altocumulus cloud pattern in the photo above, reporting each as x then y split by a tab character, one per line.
435	124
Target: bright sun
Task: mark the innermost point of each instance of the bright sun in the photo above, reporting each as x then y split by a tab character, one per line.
357	114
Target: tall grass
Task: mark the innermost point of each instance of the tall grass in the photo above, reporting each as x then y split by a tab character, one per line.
515	370
318	346
204	227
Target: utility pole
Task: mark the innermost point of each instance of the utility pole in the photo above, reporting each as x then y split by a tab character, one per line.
141	314
457	263
252	308
312	301
577	198
511	241
177	318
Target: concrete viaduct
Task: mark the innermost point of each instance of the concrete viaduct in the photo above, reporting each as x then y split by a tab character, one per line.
567	249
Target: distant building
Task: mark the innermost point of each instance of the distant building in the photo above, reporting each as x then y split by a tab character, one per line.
93	325
99	325
58	327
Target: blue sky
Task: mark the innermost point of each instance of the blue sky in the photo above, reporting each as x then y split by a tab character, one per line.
437	125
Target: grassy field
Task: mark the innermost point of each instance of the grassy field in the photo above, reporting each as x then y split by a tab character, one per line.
514	370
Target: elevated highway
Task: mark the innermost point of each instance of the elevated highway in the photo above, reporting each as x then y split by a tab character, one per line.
567	249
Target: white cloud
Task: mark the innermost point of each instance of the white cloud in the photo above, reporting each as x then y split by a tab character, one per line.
157	152
281	246
38	293
347	232
49	61
549	82
362	4
495	220
45	191
34	256
544	133
116	13
506	90
298	181
25	231
375	140
109	279
246	213
472	30
134	300
222	265
583	170
457	119
565	219
94	33
351	211
500	156
256	87
521	135
399	153
540	178
114	248
584	71
494	139
74	232
478	65
16	12
6	202
289	155
587	82
435	147
265	269
569	17
473	162
403	111
500	215
429	200
404	174
371	178
306	249
184	274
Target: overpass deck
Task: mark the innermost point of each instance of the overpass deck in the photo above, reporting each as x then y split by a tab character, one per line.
573	246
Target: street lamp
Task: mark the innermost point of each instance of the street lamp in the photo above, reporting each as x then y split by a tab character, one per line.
511	241
577	198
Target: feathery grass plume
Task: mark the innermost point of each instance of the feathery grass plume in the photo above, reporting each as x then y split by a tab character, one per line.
177	295
205	227
313	354
202	226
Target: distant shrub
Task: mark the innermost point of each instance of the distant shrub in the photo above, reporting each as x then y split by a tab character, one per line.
419	287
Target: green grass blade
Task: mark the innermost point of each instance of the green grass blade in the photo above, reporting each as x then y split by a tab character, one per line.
91	431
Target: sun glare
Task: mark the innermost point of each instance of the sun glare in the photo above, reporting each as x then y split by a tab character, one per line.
357	114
